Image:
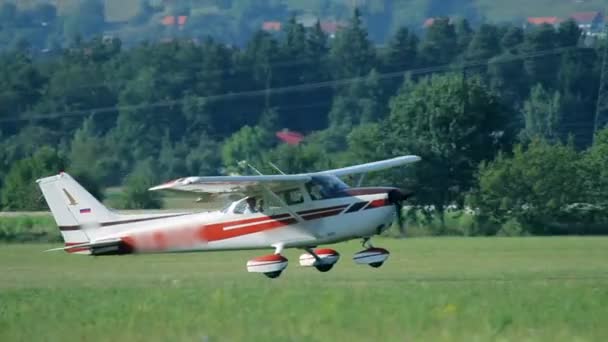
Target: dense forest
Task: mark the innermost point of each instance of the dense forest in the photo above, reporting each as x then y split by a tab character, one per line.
503	117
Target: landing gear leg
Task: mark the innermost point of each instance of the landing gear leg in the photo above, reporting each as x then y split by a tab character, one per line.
322	264
270	265
366	243
371	256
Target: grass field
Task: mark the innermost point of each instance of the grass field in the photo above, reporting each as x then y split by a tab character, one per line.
468	289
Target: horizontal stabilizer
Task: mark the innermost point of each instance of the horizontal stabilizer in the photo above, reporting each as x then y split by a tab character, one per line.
96	244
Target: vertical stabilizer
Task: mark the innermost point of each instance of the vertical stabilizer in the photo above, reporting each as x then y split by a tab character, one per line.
74	208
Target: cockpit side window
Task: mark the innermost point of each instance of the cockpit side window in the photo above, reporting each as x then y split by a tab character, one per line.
315	191
240	208
293	196
324	187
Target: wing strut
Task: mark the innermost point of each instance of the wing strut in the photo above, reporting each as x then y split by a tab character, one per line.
283	204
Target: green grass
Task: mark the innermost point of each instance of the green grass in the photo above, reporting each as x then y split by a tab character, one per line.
475	289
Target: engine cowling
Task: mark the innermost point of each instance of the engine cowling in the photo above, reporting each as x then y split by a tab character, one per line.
270	265
374	256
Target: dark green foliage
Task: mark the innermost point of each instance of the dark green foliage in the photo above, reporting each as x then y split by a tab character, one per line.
538	187
352	53
453	125
542	115
20	191
137	183
199	108
440	45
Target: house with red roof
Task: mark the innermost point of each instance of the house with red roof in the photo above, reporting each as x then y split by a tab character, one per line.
589	22
271	26
428	22
290	137
536	21
173	20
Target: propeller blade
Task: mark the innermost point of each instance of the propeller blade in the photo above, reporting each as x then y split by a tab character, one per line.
397	197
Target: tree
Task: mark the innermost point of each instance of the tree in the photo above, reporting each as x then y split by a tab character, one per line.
246	144
137	183
440	45
485	43
594	174
360	102
568	33
541	69
86	159
453	125
534	186
464	32
512	39
542	115
20	191
401	56
352	53
504	74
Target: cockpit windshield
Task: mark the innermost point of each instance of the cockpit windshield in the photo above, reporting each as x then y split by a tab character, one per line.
323	187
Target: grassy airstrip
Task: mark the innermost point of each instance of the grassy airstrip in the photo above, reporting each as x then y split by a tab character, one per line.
448	289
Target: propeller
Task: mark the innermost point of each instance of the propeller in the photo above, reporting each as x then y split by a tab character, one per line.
397	197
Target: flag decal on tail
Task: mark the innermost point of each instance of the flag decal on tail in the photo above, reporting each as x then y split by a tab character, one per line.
85	211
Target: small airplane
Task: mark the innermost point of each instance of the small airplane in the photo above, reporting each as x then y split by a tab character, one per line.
278	211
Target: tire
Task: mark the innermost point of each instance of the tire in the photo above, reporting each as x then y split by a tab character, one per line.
273	275
324	268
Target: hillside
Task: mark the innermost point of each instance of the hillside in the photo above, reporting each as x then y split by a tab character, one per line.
399	12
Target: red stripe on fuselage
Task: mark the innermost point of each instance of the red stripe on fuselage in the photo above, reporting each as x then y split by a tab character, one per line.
215	232
230	229
377	203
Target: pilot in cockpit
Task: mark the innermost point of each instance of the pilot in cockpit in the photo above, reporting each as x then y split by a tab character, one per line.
250	208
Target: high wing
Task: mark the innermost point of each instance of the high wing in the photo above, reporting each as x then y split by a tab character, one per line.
255	184
370	167
233	184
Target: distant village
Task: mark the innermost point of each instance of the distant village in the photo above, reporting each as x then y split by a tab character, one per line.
136	20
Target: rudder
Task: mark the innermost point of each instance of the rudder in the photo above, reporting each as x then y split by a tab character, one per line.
73	207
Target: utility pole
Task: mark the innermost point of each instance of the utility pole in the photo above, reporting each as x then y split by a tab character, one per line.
601	109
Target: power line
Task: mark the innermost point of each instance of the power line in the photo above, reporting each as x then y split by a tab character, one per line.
293	88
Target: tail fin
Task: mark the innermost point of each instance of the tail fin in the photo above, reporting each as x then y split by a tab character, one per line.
73	207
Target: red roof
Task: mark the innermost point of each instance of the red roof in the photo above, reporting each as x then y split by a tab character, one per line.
544	20
271	26
168	20
586	17
428	22
171	20
331	27
290	137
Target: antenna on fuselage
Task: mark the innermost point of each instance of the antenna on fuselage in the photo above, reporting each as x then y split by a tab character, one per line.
276	167
246	163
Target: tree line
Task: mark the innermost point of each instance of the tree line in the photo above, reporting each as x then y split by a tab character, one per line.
502	116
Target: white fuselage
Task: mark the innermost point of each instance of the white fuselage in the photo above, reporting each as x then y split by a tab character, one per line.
323	221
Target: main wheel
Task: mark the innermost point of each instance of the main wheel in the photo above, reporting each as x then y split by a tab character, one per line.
376	264
273	275
324	267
